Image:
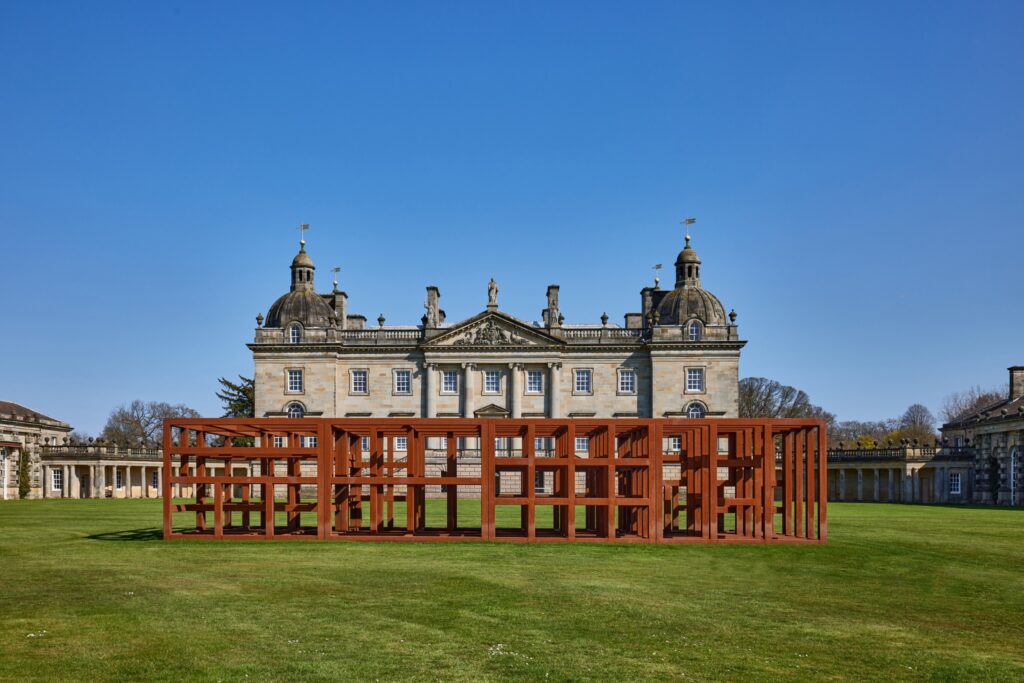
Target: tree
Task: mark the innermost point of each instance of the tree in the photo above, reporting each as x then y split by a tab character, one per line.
917	416
917	422
761	397
24	464
239	399
963	403
142	423
852	433
78	436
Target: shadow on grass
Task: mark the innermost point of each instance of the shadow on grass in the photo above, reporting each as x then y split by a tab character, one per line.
149	534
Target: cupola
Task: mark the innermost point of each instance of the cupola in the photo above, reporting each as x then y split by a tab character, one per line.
301	304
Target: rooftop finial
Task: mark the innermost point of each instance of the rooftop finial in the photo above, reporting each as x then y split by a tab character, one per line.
336	270
657	270
686	223
303	227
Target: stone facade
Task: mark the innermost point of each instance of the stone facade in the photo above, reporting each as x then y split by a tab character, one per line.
23	434
995	435
101	471
314	357
904	474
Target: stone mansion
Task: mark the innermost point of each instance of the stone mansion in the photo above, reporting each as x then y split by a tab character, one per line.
677	357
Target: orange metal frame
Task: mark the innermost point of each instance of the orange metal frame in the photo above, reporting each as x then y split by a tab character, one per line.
639	480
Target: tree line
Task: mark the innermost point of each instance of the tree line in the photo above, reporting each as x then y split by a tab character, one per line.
140	423
766	398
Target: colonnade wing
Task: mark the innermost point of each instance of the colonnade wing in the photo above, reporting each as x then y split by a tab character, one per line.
534	480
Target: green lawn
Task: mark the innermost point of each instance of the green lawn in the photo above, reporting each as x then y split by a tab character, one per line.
88	591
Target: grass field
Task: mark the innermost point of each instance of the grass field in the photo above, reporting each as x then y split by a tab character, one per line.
900	592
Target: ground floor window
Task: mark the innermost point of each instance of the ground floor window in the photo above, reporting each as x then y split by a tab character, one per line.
58	480
118	479
582	444
675	444
954	483
155	481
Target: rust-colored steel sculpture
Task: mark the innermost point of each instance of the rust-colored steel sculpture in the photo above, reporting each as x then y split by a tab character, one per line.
602	480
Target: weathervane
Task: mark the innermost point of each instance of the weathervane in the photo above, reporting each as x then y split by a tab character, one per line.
303	227
336	270
686	223
657	280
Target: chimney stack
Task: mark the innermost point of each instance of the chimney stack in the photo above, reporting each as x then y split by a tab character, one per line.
433	306
551	314
1016	381
339	302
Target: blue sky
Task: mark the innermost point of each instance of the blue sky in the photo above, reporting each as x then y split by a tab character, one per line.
856	172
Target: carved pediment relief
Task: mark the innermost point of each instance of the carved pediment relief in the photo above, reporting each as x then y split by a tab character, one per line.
493	331
489	333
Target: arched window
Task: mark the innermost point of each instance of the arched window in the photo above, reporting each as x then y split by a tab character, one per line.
694	331
695	410
296	410
295	333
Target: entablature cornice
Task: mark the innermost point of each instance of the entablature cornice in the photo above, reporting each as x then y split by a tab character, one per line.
694	349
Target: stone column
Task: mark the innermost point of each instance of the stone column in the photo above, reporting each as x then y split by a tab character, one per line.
430	371
430	392
516	388
860	485
554	389
468	389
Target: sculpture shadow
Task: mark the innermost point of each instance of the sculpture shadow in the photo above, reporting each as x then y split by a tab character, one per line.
147	534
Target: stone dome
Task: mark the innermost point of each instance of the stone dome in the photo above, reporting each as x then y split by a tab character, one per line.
688	301
302	259
303	306
687	255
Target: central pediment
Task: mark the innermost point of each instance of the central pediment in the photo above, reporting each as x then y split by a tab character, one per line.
492	329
